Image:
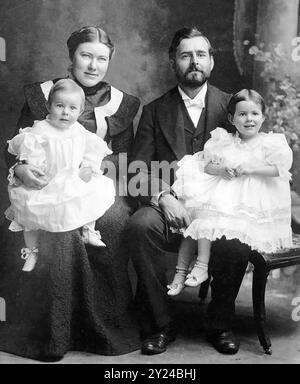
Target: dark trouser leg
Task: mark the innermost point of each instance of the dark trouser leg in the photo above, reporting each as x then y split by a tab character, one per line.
228	264
147	238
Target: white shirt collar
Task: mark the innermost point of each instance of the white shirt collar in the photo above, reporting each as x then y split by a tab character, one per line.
198	99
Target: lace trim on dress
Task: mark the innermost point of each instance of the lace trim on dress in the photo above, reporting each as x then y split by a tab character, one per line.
14	226
260	246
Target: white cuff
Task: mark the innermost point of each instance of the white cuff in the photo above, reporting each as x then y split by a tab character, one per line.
157	196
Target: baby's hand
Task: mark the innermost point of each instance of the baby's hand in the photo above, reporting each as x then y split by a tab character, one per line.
218	160
86	174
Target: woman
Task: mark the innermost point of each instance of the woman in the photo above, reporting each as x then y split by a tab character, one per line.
75	300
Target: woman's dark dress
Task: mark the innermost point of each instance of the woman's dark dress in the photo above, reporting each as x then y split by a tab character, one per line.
76	298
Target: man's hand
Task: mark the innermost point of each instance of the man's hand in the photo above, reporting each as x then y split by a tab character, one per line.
31	176
86	174
174	211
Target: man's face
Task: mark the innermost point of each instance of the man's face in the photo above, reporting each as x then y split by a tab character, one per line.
192	63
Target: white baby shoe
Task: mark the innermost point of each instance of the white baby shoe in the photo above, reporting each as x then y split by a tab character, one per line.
198	275
92	237
30	257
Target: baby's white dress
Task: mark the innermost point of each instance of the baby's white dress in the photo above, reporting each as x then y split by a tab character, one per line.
254	209
67	202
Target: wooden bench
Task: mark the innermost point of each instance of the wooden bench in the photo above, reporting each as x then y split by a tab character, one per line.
264	263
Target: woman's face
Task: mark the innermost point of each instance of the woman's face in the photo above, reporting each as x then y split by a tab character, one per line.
90	63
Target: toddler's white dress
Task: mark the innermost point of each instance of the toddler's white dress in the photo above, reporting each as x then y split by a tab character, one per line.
254	209
67	202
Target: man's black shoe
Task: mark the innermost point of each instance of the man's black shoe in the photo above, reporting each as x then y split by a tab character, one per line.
224	342
158	343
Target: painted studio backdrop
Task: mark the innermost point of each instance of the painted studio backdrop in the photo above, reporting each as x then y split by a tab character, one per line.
33	36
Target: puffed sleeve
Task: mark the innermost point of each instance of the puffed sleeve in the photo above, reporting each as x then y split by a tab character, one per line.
214	146
95	151
28	146
277	152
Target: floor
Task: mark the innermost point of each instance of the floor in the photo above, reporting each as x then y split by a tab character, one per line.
282	303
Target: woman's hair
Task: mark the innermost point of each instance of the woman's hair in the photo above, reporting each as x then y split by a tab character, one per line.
246	95
67	85
187	33
89	34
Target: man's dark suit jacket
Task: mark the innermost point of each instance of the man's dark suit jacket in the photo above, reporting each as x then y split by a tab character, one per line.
161	133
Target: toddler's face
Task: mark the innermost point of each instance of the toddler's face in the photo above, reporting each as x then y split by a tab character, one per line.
248	119
65	109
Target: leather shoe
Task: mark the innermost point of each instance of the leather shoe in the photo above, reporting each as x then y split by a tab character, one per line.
224	342
159	342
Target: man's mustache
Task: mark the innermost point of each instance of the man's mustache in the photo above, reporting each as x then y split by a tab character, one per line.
194	69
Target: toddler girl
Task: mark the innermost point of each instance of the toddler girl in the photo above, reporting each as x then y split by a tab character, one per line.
238	187
70	156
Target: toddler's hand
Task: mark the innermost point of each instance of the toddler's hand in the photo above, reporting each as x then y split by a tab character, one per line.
227	173
86	174
244	169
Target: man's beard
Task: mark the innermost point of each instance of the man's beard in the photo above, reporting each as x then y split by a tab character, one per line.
193	78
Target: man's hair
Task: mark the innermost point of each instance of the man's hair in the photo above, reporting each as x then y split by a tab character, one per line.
67	85
246	95
187	33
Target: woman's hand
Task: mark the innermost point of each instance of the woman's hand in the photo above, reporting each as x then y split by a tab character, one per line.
86	174
31	176
174	211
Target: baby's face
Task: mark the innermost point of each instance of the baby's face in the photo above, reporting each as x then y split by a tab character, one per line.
65	109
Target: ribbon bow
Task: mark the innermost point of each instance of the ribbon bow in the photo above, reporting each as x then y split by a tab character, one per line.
26	252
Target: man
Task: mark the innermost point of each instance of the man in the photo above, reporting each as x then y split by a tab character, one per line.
176	124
